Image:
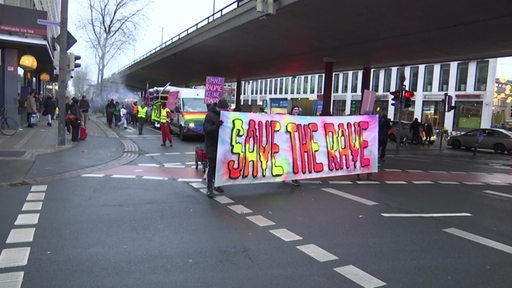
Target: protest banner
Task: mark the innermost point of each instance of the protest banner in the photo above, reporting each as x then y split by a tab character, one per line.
255	148
214	89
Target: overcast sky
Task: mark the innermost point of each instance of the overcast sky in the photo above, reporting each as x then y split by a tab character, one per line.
165	19
168	18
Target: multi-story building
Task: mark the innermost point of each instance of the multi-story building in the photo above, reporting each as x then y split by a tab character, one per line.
470	83
28	29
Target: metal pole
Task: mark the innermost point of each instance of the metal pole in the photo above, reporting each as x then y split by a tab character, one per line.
442	123
63	72
400	107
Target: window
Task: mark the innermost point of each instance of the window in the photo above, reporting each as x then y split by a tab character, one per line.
353	87
344	83
320	85
375	80
444	77
429	78
387	80
306	84
400	72
281	86
287	86
482	69
299	85
462	76
275	86
292	88
413	79
336	83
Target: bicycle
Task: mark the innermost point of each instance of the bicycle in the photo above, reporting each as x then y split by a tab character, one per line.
8	125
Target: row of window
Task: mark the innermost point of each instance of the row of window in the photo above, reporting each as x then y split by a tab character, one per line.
313	84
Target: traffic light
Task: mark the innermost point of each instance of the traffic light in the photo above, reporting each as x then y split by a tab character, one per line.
396	97
407	102
449	102
72	64
408	98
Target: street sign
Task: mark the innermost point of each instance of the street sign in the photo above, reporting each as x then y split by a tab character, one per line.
71	40
48	22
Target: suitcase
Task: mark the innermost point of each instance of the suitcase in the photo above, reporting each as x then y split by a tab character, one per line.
83	133
201	158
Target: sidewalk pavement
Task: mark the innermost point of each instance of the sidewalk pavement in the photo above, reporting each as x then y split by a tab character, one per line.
34	152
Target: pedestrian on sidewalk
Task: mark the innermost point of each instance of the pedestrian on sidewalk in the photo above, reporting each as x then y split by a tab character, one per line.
117	114
31	109
109	111
49	107
142	115
165	127
211	128
84	110
74	118
123	114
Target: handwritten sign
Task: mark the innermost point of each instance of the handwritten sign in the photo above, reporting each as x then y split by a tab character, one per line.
214	89
256	148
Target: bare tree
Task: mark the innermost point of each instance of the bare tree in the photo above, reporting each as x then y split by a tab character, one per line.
110	28
80	81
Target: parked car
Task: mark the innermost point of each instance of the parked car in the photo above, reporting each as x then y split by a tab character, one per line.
499	140
406	133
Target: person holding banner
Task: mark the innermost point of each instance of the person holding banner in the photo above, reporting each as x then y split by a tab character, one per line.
211	128
296	110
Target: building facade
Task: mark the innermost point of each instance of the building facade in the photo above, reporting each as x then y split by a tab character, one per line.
470	83
27	42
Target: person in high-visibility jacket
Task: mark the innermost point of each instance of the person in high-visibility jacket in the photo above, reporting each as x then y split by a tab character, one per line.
165	125
142	115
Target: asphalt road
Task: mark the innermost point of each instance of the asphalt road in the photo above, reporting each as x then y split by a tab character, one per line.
150	229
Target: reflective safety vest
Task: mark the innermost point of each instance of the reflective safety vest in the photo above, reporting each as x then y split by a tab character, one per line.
141	111
163	114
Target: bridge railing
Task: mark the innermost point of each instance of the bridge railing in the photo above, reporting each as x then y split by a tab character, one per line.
219	13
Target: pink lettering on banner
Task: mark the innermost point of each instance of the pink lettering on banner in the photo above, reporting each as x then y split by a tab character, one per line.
214	89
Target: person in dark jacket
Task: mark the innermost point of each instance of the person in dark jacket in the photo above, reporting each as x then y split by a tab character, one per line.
109	110
74	109
211	128
49	107
384	127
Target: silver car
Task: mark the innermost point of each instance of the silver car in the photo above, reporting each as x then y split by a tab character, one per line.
499	140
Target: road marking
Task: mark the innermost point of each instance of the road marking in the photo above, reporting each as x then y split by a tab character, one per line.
240	209
190	153
173	165
479	239
497	193
223	199
435	171
396	182
393	170
448	182
367	182
11	280
285	234
149	165
154	178
93	175
422	182
35	196
32	206
473	183
317	252
197	185
189	179
415	171
124	176
425	214
152	154
341	182
455	172
311	182
498	183
14	257
38	188
349	196
260	220
359	276
27	219
173	153
21	235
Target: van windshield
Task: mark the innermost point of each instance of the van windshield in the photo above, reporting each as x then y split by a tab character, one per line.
194	105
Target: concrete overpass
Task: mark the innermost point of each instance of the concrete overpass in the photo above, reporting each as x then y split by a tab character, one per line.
247	44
